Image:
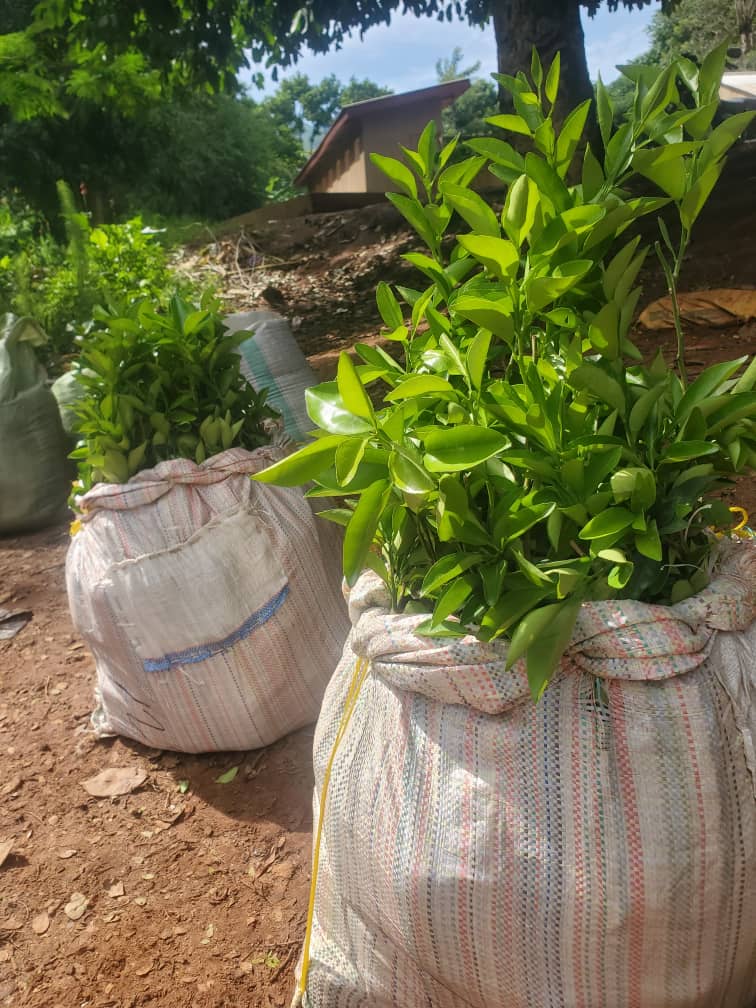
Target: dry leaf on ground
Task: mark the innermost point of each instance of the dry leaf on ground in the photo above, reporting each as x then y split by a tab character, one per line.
116	890
66	852
114	781
6	846
76	906
40	923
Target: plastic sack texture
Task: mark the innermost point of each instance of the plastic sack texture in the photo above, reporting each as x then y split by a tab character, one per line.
596	850
33	479
212	604
271	359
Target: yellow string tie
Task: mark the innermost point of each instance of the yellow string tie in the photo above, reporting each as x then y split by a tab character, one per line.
744	518
355	685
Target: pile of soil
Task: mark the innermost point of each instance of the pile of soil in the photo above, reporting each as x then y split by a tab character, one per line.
188	891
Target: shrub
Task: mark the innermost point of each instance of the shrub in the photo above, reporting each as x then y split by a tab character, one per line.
525	459
162	385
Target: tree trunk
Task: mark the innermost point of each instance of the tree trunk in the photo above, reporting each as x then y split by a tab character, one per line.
551	26
744	11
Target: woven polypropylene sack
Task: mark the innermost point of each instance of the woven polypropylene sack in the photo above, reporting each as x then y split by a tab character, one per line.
271	359
596	850
212	604
33	479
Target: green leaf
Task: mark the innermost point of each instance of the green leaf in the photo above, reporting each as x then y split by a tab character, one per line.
695	198
427	147
461	447
552	79
642	408
510	123
540	291
706	385
304	465
601	385
413	213
418	385
493	315
388	306
361	530
548	181
477	356
350	388
348	458
447	569
536	70
473	209
228	776
569	136
607	523
397	172
498	255
684	451
648	543
520	206
453	597
543	636
604	111
408	474
326	408
603	331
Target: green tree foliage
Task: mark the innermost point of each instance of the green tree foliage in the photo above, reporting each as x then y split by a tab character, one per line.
466	117
691	29
209	156
191	40
309	109
450	69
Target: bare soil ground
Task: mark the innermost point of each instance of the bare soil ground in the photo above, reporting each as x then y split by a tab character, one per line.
187	891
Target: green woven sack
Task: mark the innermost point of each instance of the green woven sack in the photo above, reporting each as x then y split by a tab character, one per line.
33	479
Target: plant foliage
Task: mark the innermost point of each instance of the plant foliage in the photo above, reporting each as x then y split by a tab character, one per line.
162	385
525	458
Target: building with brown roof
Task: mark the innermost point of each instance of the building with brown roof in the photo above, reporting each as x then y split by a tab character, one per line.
341	162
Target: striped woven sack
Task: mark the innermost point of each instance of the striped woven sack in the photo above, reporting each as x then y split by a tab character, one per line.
212	604
596	850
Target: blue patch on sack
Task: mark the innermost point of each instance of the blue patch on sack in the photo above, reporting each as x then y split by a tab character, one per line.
201	652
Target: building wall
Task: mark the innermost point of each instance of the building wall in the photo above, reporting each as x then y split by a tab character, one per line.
345	172
384	133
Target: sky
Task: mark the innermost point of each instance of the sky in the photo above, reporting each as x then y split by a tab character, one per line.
402	56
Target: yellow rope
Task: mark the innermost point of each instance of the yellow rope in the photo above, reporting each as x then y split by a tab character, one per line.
358	678
744	518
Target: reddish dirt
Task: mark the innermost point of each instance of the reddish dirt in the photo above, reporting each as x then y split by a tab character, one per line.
214	881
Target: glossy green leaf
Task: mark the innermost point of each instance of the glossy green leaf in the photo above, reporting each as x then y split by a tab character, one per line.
304	465
326	408
552	79
592	379
447	569
408	473
607	523
706	385
498	255
397	172
684	451
454	596
388	306
461	447
418	385
352	393
361	530
473	209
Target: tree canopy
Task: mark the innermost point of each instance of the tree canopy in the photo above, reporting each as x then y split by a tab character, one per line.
210	41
